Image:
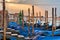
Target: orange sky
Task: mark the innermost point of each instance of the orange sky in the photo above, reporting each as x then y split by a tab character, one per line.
15	8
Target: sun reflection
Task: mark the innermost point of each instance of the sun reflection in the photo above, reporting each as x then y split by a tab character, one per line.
11	0
8	0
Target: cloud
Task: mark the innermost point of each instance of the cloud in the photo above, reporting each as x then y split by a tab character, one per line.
46	4
35	1
19	1
26	1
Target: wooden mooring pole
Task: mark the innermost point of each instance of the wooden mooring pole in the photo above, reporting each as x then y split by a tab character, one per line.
22	19
4	21
53	22
29	21
46	19
40	18
33	20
